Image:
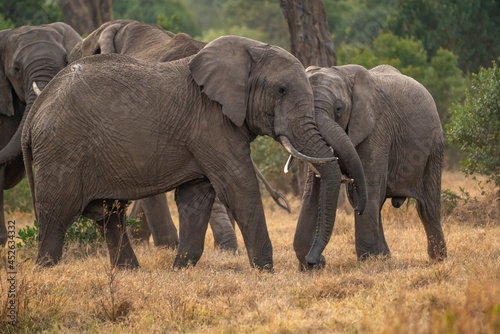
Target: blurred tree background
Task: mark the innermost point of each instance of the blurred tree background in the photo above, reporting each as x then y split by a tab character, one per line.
440	43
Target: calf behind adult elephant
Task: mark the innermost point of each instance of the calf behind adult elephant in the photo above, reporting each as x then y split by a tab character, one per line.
393	122
27	55
126	129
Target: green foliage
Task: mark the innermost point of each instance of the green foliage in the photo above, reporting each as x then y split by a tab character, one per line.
29	236
169	23
450	200
84	231
262	17
16	13
18	198
470	28
475	125
271	157
173	13
441	76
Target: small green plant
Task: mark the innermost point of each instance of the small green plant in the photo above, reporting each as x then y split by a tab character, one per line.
28	236
450	200
84	231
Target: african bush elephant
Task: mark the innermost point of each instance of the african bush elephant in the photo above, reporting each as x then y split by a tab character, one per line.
392	121
152	43
126	129
27	55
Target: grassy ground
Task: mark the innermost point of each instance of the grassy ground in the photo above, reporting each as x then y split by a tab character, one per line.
222	294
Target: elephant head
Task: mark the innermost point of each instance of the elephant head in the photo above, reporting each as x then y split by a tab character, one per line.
265	88
30	58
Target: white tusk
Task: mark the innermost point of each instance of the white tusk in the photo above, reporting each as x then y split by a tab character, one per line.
288	163
36	89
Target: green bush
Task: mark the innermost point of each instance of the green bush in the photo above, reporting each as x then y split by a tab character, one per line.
475	125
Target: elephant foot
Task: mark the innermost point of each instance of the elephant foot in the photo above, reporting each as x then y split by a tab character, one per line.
304	266
384	255
437	252
185	261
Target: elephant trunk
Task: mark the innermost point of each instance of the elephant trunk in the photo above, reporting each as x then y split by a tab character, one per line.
13	148
309	142
328	196
349	160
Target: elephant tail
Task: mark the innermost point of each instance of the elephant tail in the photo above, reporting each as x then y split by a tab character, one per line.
28	163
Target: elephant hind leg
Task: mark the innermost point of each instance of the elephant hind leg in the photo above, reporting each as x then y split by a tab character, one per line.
194	203
52	227
142	233
113	228
429	213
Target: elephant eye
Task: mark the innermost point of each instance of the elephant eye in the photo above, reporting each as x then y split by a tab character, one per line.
17	69
339	108
282	90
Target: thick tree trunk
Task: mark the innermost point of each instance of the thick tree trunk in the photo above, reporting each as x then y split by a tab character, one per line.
86	15
311	43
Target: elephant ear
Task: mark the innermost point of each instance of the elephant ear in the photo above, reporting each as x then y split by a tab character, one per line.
222	69
363	112
6	98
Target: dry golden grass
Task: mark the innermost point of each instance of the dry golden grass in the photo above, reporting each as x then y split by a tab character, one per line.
222	294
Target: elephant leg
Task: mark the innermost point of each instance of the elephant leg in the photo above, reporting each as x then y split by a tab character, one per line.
113	226
142	233
3	228
223	230
369	233
194	203
306	225
52	227
245	204
160	221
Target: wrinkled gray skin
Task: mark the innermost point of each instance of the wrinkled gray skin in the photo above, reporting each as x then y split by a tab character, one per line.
152	43
393	122
27	54
200	113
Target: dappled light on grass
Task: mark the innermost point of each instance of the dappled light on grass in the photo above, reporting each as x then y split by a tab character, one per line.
401	294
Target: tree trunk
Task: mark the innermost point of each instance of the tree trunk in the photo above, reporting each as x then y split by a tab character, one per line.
86	15
311	43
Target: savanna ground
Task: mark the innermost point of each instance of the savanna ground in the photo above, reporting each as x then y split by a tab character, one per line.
222	294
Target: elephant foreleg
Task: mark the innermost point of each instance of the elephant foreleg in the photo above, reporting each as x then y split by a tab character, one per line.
223	230
112	225
194	203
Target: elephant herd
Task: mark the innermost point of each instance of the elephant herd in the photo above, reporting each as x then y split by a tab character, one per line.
133	111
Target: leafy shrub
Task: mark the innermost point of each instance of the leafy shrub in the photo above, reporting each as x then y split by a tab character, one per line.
450	200
475	125
84	231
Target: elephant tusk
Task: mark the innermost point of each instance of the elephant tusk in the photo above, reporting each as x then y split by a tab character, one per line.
293	151
36	89
288	164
